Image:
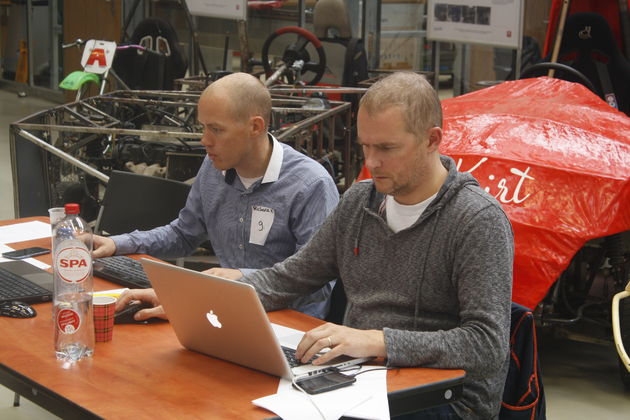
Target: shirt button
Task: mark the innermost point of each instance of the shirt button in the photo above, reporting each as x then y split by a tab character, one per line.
241	220
241	246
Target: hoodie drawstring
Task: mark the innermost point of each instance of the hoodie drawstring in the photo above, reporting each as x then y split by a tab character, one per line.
356	239
424	267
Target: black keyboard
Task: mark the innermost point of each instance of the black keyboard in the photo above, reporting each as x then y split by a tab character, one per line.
289	354
14	287
122	270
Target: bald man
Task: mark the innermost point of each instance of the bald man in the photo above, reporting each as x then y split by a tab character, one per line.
257	200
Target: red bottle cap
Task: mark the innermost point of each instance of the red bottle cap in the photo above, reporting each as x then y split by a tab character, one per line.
72	208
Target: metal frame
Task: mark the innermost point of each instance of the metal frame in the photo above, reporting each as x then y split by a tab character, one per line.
63	134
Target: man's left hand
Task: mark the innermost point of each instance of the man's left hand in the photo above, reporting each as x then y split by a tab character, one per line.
226	273
341	340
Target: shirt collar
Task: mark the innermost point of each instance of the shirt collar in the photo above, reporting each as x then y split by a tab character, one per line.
272	173
275	162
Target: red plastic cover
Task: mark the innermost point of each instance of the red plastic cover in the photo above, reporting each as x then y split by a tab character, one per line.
556	157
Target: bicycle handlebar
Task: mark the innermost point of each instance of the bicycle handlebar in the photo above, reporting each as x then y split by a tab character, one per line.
79	42
138	47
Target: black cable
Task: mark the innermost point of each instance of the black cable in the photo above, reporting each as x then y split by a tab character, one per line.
157	110
357	367
370	370
183	123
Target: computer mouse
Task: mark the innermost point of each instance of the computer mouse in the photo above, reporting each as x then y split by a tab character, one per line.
15	309
125	315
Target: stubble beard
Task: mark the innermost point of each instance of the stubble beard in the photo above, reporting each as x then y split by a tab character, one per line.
409	185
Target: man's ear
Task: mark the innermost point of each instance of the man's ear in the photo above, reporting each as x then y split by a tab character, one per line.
258	125
435	138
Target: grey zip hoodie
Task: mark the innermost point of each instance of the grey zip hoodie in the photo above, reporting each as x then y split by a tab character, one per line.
439	290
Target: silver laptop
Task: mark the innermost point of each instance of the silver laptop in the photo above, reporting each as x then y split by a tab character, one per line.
225	319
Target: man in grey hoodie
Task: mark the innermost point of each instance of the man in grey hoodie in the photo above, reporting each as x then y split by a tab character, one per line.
424	253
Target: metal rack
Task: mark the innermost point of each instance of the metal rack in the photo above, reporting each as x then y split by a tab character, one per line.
71	149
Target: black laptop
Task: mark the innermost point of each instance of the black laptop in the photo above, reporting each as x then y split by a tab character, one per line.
22	281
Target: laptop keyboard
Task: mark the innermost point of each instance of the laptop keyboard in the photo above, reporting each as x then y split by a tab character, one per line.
122	270
289	354
14	287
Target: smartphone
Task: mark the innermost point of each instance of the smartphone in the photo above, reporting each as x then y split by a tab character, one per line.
324	383
20	254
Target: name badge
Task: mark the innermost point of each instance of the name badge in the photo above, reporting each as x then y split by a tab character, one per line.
262	219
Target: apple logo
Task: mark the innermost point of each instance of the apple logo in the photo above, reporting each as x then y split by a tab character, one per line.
214	320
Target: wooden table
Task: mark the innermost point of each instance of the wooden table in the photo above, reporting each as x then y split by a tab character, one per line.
145	373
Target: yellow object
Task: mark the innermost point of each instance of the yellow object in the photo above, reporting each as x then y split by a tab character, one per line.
116	295
21	73
113	293
621	350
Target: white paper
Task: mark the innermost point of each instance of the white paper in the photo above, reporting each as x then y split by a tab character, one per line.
32	261
227	9
262	220
366	398
377	407
487	22
27	231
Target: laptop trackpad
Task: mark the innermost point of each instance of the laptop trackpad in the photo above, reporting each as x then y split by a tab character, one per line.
288	337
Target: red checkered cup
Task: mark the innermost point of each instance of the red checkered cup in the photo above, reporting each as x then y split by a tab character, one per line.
104	308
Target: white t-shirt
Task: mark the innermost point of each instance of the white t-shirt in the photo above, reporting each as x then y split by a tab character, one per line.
248	182
400	216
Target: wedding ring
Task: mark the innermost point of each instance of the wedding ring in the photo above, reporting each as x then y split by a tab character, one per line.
330	344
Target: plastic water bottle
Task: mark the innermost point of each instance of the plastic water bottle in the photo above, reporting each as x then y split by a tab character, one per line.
72	269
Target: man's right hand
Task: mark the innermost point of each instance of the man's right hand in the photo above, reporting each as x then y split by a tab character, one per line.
103	247
143	295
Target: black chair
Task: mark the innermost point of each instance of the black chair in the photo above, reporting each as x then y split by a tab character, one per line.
134	201
589	47
523	395
338	303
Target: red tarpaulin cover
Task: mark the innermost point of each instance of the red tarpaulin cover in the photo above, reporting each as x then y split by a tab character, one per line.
556	157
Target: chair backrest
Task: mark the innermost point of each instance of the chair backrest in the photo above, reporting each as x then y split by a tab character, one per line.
588	46
331	23
331	16
148	71
523	395
142	202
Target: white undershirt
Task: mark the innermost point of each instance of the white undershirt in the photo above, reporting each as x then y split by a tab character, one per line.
248	182
400	216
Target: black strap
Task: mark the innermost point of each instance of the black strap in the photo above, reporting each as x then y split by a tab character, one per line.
604	78
348	65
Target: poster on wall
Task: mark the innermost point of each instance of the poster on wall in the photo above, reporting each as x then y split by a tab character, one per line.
226	9
489	22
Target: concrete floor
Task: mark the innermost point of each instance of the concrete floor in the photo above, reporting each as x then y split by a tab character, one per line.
581	380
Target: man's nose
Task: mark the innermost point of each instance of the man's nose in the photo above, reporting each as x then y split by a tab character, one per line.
371	160
206	140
